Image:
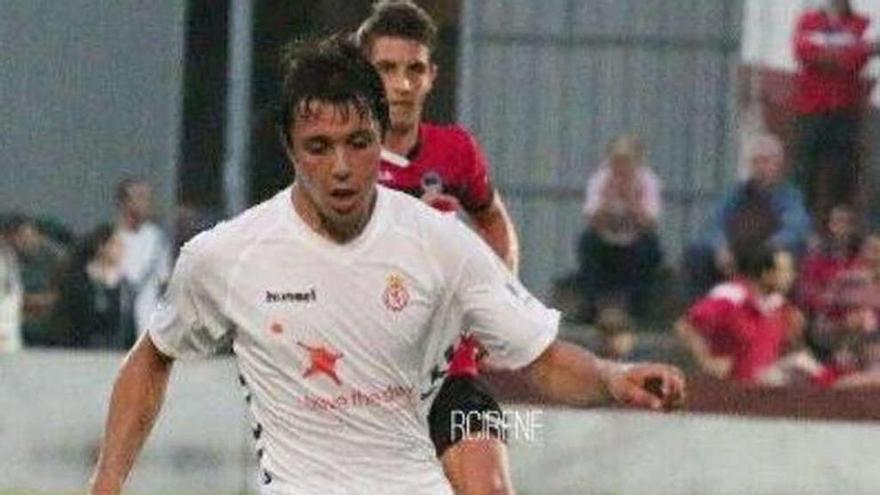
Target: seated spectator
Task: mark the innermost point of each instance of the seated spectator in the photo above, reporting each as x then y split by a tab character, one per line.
836	251
10	301
762	209
850	310
40	261
741	328
619	251
95	305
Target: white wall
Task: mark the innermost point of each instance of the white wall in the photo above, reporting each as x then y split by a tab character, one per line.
90	91
53	404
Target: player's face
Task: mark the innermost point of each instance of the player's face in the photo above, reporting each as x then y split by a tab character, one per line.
335	153
140	200
767	168
841	224
408	74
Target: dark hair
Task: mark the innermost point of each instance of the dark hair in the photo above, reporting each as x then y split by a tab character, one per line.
332	71
398	19
753	261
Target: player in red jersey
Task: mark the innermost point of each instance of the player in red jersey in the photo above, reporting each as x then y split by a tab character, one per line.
444	166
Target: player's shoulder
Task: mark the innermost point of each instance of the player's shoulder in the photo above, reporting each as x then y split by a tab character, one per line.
448	135
733	292
407	210
232	236
411	216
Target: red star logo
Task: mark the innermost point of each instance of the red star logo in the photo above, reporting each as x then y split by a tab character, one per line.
323	361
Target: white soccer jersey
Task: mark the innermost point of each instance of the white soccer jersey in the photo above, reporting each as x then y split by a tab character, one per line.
342	347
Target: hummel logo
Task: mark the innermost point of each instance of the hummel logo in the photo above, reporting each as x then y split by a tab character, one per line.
283	297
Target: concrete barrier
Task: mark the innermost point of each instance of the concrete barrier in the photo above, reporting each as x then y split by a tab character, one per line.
53	404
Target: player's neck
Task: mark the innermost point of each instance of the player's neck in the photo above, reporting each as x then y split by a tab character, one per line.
130	222
402	141
336	232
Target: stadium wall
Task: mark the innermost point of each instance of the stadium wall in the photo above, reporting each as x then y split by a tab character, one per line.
91	91
544	85
53	407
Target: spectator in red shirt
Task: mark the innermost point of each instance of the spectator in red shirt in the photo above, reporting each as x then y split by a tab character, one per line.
851	311
836	251
738	331
831	48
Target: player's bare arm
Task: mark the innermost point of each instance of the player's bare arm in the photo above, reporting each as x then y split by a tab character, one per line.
496	228
717	366
134	405
570	375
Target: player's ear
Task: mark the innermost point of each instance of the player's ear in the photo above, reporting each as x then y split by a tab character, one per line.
288	147
432	73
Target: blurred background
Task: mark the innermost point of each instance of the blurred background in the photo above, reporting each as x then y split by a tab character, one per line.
122	114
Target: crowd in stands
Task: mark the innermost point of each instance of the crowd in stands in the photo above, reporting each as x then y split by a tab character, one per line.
93	292
782	281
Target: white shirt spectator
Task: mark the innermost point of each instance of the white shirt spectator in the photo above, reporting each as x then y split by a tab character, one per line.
147	266
11	297
338	345
601	193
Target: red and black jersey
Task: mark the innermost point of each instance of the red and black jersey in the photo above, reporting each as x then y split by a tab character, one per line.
446	159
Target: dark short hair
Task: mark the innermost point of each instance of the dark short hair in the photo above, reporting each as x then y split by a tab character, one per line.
331	70
398	19
752	261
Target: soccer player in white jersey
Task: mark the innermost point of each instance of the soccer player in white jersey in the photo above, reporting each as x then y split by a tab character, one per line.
338	297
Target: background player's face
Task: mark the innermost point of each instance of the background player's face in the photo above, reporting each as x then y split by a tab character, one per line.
140	201
336	158
841	224
408	74
767	167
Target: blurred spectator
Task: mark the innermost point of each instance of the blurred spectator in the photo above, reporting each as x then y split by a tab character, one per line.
762	209
10	301
831	48
619	251
850	310
147	259
40	261
837	250
95	305
741	328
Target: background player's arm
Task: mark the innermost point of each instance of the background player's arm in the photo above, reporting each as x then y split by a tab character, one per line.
567	374
717	366
134	405
496	228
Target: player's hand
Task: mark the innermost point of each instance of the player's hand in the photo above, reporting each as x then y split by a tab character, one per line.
649	386
441	201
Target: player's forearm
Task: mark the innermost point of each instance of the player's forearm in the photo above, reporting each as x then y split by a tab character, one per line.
717	366
496	228
134	404
570	375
